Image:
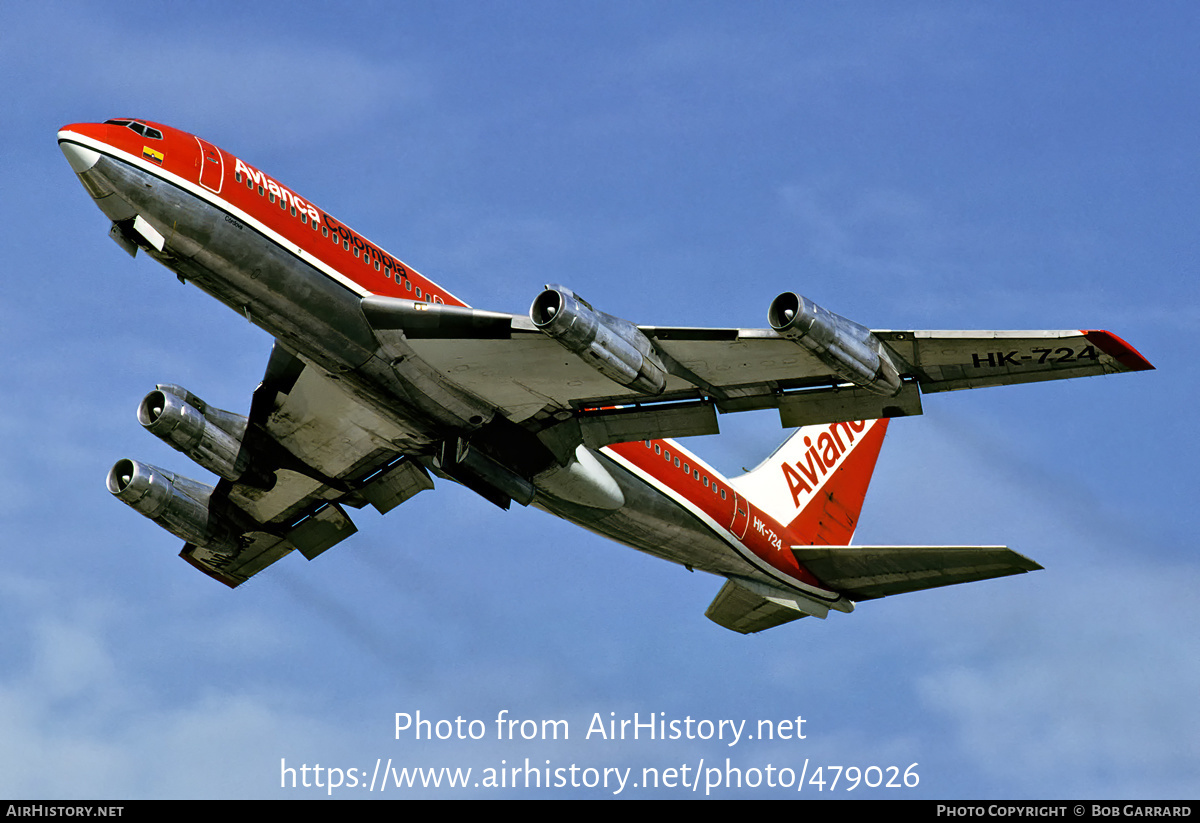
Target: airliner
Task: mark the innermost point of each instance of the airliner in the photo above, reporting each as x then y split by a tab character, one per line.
380	380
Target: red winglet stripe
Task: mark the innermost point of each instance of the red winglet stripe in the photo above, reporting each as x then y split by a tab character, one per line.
1118	349
211	572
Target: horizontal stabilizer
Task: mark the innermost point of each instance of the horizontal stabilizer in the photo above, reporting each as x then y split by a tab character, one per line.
747	606
868	572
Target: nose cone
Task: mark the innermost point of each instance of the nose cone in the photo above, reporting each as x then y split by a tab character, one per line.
79	156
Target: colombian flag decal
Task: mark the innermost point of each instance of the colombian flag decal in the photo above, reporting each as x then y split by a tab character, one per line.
152	155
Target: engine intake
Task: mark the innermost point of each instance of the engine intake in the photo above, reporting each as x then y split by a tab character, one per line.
846	347
614	347
178	504
209	436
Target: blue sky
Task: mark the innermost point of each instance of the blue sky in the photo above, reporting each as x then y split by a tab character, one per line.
925	165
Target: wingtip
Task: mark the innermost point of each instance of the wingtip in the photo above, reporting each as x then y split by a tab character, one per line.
1118	349
186	554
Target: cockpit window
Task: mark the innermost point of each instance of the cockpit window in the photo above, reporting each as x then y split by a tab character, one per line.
140	128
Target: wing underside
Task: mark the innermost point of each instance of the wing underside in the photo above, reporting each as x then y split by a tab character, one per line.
326	451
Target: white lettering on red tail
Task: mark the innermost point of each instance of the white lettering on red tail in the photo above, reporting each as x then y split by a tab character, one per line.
788	480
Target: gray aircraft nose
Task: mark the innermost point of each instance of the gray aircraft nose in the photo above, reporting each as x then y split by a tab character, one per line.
80	157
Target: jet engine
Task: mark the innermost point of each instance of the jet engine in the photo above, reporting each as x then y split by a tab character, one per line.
178	504
614	347
211	437
846	347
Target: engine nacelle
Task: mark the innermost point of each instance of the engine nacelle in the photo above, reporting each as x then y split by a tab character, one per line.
848	348
178	504
211	437
614	347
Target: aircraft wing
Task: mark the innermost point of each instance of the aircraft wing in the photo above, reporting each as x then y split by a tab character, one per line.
950	360
838	372
306	451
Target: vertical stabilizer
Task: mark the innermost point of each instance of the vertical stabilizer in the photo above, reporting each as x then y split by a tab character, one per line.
814	484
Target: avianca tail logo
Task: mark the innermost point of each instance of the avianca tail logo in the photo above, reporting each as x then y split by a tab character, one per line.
815	465
804	475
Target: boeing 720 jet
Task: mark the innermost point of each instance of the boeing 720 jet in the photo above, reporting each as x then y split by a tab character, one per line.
381	380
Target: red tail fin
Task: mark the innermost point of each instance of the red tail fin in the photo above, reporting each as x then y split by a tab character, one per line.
814	484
